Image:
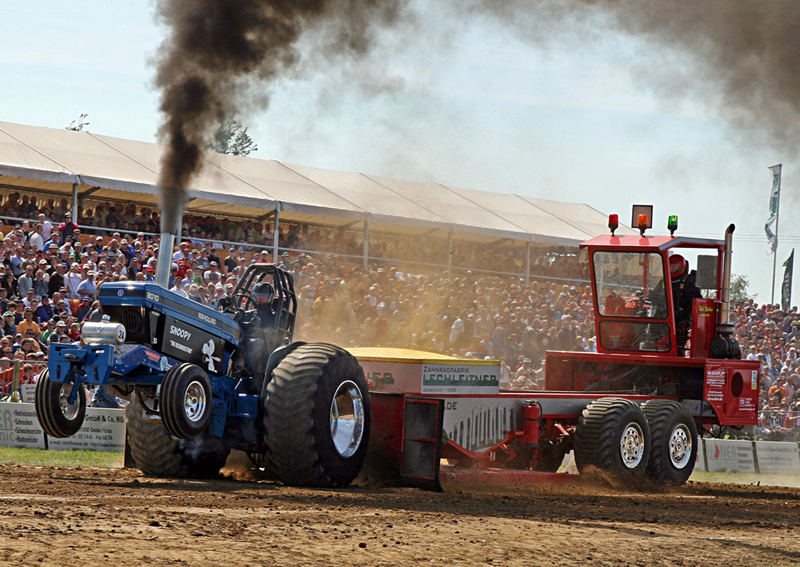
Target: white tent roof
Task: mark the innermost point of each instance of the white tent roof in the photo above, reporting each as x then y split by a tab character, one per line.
111	168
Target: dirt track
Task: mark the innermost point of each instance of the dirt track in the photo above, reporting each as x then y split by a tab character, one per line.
58	516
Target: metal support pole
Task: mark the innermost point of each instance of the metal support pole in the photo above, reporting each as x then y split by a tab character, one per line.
75	203
15	382
449	254
275	234
774	262
366	240
528	262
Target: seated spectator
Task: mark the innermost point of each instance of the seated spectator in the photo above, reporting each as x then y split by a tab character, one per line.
8	325
28	324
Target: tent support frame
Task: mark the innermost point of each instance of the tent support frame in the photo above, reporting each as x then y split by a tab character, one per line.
366	241
449	254
276	234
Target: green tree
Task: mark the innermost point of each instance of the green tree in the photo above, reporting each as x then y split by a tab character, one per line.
740	291
80	124
232	138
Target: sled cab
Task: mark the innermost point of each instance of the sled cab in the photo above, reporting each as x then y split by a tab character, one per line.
634	302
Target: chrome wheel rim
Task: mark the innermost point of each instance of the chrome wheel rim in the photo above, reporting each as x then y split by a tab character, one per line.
195	401
631	445
680	446
347	418
69	410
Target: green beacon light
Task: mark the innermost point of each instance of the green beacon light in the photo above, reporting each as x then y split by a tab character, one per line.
672	224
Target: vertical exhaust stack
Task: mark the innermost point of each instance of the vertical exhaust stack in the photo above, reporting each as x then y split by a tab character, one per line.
724	345
724	308
164	263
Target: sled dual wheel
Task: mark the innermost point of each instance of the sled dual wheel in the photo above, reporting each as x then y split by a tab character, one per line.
613	435
155	453
57	416
674	441
185	400
317	417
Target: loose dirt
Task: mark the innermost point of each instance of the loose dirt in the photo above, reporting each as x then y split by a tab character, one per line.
65	516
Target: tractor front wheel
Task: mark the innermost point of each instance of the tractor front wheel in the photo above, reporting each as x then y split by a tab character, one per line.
185	400
317	417
613	435
57	416
674	435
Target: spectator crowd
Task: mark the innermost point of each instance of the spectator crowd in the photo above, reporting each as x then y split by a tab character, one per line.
105	218
51	269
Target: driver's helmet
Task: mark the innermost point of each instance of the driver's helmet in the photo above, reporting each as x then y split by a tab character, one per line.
677	265
263	293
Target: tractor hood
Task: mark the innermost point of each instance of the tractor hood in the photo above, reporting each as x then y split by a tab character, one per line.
148	300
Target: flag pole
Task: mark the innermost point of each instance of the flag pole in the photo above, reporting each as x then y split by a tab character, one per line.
775	252
774	261
772	236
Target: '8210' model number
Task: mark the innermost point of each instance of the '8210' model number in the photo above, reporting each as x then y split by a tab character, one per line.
153	296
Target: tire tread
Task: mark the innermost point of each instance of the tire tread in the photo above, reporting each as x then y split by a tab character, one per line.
289	413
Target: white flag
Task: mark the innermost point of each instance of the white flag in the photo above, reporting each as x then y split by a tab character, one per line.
774	203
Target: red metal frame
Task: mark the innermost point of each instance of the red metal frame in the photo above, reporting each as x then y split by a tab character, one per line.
728	386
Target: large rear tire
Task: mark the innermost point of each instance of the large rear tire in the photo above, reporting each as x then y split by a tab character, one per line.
155	453
317	417
185	400
56	415
674	446
613	435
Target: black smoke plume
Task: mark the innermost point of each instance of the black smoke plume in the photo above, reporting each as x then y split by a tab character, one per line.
740	56
748	51
220	58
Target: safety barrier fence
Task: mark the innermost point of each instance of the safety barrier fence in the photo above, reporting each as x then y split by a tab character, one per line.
103	429
15	374
779	425
735	455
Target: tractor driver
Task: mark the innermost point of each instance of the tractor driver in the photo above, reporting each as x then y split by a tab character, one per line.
684	290
263	295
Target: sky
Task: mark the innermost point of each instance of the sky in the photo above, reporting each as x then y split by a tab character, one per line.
457	98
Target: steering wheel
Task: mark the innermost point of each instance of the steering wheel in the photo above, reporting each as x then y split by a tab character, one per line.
240	302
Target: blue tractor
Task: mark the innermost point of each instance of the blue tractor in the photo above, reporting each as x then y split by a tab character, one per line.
202	381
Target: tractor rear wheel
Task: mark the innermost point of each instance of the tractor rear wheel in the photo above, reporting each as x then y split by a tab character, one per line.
317	417
57	416
155	453
185	400
674	446
613	435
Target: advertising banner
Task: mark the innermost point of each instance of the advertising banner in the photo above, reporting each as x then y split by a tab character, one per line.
460	379
392	376
103	430
28	392
729	455
19	426
780	457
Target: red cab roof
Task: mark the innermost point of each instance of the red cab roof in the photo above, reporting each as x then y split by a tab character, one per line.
650	243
